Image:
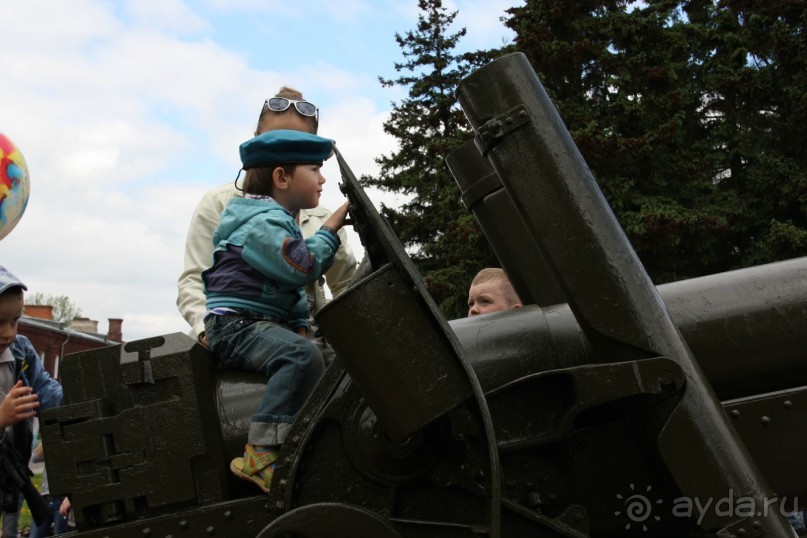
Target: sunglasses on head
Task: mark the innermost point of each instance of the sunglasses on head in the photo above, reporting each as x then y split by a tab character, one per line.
281	104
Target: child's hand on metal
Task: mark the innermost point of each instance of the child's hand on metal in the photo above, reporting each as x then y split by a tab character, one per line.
19	404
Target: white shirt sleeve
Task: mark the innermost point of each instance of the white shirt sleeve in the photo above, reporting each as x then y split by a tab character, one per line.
199	255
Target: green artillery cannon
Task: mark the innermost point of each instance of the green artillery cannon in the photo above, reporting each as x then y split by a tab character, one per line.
608	408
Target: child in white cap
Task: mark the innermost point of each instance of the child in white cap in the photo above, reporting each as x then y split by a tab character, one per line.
25	386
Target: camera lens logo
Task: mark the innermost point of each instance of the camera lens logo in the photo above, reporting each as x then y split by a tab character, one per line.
638	508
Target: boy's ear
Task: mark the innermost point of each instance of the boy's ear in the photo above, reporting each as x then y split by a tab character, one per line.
280	180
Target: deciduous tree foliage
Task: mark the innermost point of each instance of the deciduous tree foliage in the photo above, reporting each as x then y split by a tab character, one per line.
439	233
64	309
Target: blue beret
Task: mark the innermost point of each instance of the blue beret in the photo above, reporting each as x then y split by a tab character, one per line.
284	147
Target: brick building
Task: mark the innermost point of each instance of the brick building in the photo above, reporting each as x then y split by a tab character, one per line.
54	340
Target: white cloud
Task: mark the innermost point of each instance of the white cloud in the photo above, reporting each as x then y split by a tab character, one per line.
127	113
166	15
42	25
123	128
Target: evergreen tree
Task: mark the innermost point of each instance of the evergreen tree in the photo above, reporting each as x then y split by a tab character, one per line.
439	233
758	76
678	108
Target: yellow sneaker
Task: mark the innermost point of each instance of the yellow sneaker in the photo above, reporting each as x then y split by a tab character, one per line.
255	466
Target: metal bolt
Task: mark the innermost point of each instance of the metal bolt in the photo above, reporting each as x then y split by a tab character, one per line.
146	532
765	420
735	413
788	404
183	524
228	515
210	531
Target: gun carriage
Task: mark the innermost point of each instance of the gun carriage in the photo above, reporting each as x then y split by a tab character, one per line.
606	396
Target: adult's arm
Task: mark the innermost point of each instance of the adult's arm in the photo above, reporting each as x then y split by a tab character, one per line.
343	268
199	256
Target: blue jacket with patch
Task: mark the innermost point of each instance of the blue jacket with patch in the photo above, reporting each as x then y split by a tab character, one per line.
261	262
29	368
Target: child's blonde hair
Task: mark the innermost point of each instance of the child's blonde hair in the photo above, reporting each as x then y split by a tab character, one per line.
495	274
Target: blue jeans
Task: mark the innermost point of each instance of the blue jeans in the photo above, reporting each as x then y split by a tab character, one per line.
798	520
291	363
10	524
53	516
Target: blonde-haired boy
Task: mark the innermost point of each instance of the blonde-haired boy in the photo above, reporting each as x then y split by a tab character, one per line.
491	291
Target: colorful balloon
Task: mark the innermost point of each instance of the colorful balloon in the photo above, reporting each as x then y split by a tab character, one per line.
14	185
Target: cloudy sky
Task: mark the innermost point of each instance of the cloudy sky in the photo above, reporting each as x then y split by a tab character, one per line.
127	111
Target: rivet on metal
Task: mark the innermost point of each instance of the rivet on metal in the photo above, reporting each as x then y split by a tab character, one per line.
228	514
735	413
765	420
183	524
146	532
788	404
533	498
210	531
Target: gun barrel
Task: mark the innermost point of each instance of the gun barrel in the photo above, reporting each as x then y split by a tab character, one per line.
744	326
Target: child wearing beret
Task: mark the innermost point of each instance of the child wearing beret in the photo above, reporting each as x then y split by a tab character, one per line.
257	311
